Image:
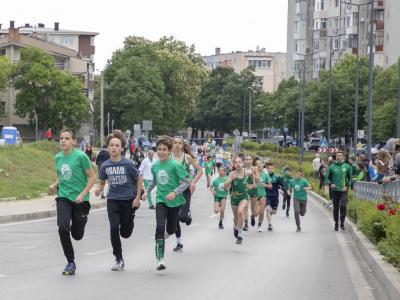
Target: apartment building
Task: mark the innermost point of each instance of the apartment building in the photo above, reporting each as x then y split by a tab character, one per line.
270	68
339	27
73	51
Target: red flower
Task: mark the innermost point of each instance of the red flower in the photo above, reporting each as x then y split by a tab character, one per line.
392	212
381	206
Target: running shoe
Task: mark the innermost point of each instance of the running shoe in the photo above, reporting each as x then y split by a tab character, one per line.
178	248
270	227
161	265
259	228
220	225
69	269
119	265
287	213
342	227
253	221
298	229
239	240
246	227
189	221
152	207
235	232
283	207
336	227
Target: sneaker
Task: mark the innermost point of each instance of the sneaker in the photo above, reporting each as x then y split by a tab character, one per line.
152	207
270	227
287	213
220	225
342	227
103	197
259	228
283	206
178	248
235	232
298	229
253	221
246	227
336	227
119	265
161	265
69	269
189	221
239	240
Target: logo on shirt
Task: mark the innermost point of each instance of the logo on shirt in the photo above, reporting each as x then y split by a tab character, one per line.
162	177
221	187
297	188
66	172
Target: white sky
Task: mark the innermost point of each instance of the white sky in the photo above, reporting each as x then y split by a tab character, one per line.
232	25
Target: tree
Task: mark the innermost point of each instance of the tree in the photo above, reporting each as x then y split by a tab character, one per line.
55	96
5	73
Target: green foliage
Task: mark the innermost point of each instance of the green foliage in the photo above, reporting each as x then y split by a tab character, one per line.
55	96
249	145
390	247
5	73
370	221
156	81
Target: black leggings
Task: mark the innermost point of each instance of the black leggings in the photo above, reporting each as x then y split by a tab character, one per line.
121	216
184	213
286	200
71	220
167	218
339	200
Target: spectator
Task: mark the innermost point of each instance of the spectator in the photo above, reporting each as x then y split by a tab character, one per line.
321	172
48	134
89	151
102	156
139	156
316	163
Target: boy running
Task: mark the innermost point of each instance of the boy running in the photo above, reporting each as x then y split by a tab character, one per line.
123	197
286	177
208	169
264	181
298	186
75	178
272	194
220	194
252	191
171	180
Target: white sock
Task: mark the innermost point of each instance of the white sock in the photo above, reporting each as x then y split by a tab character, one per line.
240	233
179	240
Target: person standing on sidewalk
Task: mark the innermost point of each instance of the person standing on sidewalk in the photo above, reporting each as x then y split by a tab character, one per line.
298	187
145	172
339	176
316	163
123	197
75	178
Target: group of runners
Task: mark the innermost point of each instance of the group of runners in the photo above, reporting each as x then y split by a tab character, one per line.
250	185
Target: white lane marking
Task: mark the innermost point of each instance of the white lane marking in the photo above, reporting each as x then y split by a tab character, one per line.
213	216
194	225
98	252
370	288
27	247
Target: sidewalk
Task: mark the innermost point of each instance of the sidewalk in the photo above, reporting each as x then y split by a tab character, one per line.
22	210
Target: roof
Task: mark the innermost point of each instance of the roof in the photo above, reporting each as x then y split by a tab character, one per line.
28	30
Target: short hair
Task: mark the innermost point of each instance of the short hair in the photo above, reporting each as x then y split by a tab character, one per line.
270	164
116	134
70	131
166	141
288	169
299	171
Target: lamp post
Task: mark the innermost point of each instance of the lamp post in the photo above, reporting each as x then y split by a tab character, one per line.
101	109
398	103
250	90
370	79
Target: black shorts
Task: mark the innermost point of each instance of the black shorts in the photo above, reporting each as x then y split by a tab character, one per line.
273	202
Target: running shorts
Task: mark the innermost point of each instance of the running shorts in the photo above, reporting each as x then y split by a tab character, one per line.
273	202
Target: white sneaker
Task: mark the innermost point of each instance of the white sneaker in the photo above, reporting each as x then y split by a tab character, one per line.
161	265
259	228
118	266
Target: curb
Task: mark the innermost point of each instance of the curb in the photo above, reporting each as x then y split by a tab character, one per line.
385	273
39	214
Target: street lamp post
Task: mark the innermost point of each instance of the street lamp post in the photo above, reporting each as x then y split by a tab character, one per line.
101	110
370	79
398	103
250	112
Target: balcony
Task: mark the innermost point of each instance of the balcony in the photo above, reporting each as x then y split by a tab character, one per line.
378	48
380	25
380	4
354	50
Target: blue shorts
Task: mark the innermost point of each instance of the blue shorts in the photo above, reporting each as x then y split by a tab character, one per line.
273	202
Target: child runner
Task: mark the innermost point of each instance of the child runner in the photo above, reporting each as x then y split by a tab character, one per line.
182	153
286	177
208	169
171	180
264	181
220	194
123	197
272	194
298	186
252	191
75	178
239	198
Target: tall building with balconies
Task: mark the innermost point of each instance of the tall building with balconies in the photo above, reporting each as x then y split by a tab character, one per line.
391	32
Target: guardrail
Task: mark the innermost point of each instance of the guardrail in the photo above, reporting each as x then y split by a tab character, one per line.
373	191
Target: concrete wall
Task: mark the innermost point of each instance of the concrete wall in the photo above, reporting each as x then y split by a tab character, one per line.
392	32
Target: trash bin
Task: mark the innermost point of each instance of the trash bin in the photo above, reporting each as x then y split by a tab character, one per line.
9	134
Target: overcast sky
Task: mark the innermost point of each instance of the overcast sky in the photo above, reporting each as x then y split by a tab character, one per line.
230	24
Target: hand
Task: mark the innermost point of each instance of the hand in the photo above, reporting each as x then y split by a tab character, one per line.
144	196
192	187
171	196
233	176
136	203
79	199
97	192
344	189
333	186
52	189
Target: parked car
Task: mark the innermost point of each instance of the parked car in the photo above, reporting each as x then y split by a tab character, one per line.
313	144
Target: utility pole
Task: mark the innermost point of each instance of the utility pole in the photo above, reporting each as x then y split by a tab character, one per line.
370	79
250	113
302	113
244	113
355	133
398	103
101	109
330	97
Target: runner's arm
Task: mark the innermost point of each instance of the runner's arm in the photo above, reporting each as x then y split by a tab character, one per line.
182	187
100	187
92	179
198	168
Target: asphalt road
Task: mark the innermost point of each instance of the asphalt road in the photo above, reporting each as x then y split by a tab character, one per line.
314	264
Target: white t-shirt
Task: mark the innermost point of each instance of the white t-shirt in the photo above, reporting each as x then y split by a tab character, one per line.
145	168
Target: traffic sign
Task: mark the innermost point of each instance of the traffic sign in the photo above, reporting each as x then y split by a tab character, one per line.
325	150
245	134
236	132
147	125
360	134
323	143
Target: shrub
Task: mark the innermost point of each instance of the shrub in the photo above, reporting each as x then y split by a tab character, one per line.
371	221
270	147
249	145
390	247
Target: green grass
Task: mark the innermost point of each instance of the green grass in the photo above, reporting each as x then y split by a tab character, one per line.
26	171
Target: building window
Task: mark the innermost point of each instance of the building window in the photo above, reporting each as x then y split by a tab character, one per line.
92	41
322	4
296	27
336	22
260	64
50	38
379	38
335	43
337	3
2	52
316	45
298	8
66	40
387	36
323	23
296	47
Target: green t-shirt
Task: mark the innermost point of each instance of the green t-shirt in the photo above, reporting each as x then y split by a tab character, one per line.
264	178
297	186
168	176
218	185
71	171
239	189
208	167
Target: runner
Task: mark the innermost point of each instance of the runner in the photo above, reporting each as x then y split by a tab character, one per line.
75	178
253	193
298	186
123	196
286	177
182	153
171	180
220	194
264	181
272	194
239	198
208	170
145	171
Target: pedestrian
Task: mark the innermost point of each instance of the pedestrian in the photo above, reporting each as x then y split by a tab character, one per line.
321	174
123	196
89	151
208	170
239	197
316	163
132	148
220	194
145	172
139	156
48	134
181	152
263	181
102	157
171	180
75	178
298	187
252	192
272	194
286	177
339	176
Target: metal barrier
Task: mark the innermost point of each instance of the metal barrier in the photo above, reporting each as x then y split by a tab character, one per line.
373	191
